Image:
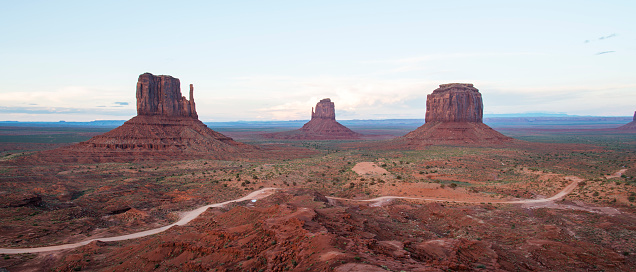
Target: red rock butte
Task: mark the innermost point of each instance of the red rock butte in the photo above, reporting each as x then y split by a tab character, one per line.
166	127
161	95
629	126
454	114
322	126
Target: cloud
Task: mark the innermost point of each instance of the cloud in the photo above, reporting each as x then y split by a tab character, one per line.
602	38
121	103
65	110
573	99
604	52
68	96
355	96
607	37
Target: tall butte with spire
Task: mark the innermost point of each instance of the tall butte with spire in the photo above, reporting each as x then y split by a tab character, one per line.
166	127
161	95
322	126
454	116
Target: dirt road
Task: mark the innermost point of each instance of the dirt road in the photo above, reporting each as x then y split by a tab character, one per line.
186	217
383	199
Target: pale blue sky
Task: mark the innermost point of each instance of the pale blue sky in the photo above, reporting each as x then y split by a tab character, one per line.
274	60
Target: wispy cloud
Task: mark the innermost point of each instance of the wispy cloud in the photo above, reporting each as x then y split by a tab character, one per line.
608	36
602	38
605	52
69	96
65	110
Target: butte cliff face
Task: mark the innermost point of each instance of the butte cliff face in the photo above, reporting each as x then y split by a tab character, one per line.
455	102
454	114
322	126
161	95
325	109
629	126
166	127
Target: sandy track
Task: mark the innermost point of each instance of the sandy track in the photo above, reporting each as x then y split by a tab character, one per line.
383	199
617	174
186	217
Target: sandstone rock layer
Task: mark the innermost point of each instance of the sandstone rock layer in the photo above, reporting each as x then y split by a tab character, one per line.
325	109
629	126
455	102
322	126
454	114
161	95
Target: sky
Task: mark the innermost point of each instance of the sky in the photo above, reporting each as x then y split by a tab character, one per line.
274	60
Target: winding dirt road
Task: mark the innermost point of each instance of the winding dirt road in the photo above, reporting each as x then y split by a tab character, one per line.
383	199
186	217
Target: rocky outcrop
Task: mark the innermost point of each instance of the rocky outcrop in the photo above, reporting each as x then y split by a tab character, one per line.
161	95
166	127
454	102
21	200
454	114
322	126
629	126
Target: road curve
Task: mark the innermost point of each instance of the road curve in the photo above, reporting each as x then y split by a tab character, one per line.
186	217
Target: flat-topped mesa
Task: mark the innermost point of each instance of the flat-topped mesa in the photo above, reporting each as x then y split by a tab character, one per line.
325	109
454	102
161	95
454	115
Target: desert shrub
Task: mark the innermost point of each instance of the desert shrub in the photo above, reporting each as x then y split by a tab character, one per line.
453	185
631	198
